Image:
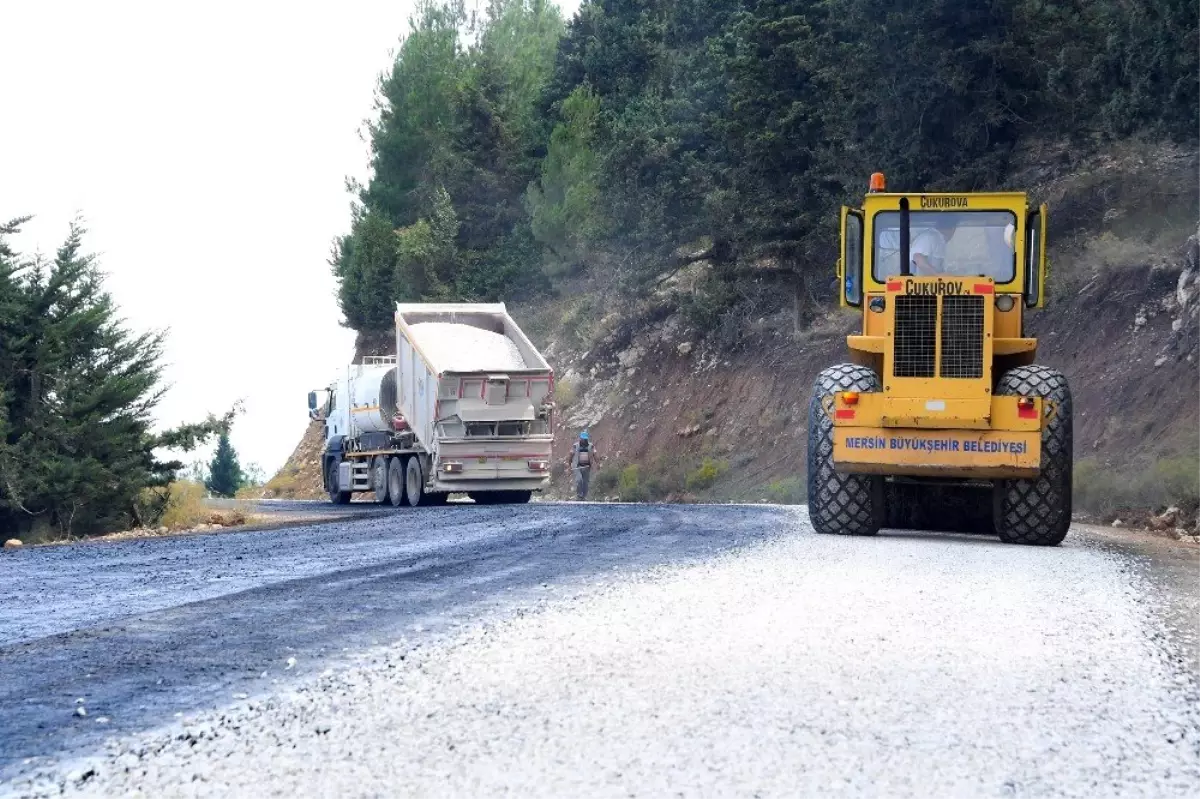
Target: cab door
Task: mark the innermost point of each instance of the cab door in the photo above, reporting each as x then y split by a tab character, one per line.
1036	265
850	264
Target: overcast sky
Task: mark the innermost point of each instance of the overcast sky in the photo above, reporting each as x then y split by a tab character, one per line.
206	147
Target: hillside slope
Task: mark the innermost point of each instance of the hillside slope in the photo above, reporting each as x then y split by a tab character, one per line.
677	418
300	477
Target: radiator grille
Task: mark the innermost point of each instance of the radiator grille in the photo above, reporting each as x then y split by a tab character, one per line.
915	340
962	336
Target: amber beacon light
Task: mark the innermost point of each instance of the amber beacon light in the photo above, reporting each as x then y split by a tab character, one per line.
878	183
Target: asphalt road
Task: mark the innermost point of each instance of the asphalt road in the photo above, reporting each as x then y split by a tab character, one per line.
597	650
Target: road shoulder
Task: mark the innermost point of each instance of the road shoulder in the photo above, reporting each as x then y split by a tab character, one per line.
1171	570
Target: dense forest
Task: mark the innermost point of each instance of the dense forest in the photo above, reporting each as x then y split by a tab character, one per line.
513	152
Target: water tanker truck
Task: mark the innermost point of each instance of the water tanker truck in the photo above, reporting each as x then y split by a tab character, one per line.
464	407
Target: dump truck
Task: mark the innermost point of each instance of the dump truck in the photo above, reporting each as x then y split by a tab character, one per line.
941	419
464	407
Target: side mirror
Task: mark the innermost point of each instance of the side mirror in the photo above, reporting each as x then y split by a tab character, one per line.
850	265
315	411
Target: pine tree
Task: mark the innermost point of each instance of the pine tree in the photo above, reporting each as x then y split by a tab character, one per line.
225	475
77	394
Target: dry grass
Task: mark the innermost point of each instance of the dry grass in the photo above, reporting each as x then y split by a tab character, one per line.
185	506
249	492
187	509
1112	251
300	477
1123	207
283	484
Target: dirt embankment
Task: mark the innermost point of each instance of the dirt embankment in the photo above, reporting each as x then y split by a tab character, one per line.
300	477
1121	322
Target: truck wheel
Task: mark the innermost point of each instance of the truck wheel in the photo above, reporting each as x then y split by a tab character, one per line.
838	503
1038	510
335	496
414	482
395	478
379	478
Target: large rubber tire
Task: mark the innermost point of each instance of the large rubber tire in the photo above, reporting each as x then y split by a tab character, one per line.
839	503
379	478
1038	510
414	482
395	473
335	496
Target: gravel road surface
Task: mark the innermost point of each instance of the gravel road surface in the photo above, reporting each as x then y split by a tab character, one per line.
598	650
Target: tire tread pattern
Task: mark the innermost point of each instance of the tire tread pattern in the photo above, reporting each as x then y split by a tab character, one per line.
1037	510
839	503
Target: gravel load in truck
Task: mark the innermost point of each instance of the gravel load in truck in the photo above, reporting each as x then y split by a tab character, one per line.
456	347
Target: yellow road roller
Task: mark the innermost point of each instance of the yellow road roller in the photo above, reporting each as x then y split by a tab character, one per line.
941	419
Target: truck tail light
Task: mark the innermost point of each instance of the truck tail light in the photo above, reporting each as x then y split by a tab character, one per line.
850	397
539	466
452	467
1025	409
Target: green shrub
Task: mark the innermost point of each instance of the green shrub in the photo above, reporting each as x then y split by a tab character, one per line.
579	321
1179	480
787	491
707	473
630	486
1094	488
605	480
1103	489
565	394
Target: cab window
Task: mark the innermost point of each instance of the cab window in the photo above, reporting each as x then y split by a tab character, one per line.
955	243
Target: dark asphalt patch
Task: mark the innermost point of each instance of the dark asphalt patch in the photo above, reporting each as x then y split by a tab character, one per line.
144	629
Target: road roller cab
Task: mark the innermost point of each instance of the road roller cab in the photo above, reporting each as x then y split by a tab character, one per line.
941	419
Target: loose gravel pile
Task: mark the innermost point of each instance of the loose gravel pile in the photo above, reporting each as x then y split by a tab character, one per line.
898	666
463	348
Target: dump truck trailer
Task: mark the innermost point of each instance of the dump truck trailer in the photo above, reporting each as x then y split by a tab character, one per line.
942	419
464	407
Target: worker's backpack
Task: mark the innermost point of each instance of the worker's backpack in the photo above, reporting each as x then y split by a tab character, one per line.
585	453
